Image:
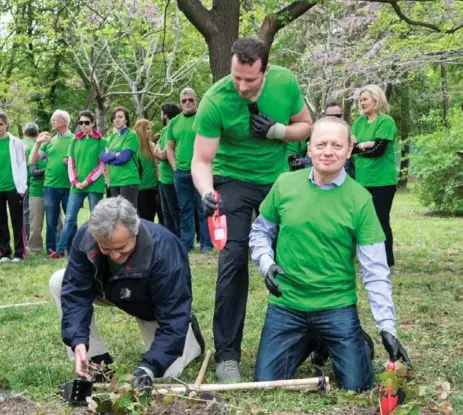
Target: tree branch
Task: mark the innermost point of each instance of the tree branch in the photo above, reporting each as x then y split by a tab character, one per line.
199	16
274	22
411	22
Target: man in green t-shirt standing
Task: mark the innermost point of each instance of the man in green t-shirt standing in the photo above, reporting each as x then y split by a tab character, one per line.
56	186
180	144
318	219
243	125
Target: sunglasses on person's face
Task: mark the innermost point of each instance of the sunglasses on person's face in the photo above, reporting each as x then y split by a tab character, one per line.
185	100
335	115
85	122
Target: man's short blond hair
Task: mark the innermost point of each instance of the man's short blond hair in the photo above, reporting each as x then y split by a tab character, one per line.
331	120
382	107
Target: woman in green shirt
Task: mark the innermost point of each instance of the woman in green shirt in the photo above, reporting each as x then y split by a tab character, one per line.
375	166
120	157
149	166
13	187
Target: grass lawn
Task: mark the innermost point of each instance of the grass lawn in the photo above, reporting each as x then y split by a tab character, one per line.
428	294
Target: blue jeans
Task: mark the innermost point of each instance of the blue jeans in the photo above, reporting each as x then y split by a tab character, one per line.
289	336
70	222
188	200
170	209
54	198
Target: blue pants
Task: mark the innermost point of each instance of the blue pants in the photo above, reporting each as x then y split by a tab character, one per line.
54	198
170	209
188	200
70	222
289	336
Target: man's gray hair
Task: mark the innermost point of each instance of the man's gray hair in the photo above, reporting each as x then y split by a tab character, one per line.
328	119
188	91
64	115
109	213
31	129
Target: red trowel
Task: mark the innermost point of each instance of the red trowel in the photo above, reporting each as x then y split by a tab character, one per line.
388	403
217	224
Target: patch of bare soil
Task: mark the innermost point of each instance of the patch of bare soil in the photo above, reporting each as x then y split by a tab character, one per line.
17	406
180	407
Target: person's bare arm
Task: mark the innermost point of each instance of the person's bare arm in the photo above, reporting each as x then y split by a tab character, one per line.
299	127
36	154
201	165
171	153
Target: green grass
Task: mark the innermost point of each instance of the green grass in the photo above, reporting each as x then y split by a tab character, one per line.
428	294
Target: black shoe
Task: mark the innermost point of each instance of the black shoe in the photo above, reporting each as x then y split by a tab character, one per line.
197	332
320	355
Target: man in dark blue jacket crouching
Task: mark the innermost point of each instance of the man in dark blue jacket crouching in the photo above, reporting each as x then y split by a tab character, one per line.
118	259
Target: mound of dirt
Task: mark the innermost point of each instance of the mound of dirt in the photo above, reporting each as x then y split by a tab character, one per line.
17	406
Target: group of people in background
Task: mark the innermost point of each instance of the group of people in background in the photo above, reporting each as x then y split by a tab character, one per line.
49	176
231	152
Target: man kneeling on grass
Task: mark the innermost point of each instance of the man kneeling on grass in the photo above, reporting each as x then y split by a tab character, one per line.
319	218
118	259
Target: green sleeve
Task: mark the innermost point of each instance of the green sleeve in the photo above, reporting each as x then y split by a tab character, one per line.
71	148
386	129
207	122
269	208
44	147
170	133
103	144
132	142
298	99
354	128
369	229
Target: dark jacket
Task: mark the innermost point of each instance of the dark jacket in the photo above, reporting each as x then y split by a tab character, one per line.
154	284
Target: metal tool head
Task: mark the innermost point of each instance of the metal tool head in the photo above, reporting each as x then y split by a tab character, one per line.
77	391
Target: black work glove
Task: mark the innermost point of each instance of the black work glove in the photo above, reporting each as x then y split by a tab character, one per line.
211	202
264	127
143	379
393	347
270	279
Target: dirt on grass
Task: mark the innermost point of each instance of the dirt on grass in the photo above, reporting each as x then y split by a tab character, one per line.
17	406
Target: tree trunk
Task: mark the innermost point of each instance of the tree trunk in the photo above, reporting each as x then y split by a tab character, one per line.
347	110
100	114
404	133
445	95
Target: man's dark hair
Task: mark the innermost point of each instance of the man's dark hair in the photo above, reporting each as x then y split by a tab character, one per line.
249	49
170	109
332	104
124	110
89	114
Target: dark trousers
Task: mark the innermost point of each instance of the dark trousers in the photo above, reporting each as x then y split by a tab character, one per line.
170	208
130	192
15	206
26	214
147	203
159	213
239	199
289	336
382	199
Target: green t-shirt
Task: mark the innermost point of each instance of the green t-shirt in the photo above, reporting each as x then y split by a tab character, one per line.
149	179
180	130
166	174
86	153
223	113
299	147
29	144
127	173
36	187
57	150
6	173
376	171
319	231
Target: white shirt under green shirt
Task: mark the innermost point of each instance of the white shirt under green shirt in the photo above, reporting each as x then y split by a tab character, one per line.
320	229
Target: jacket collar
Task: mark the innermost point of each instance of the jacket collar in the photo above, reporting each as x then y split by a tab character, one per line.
141	256
94	134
